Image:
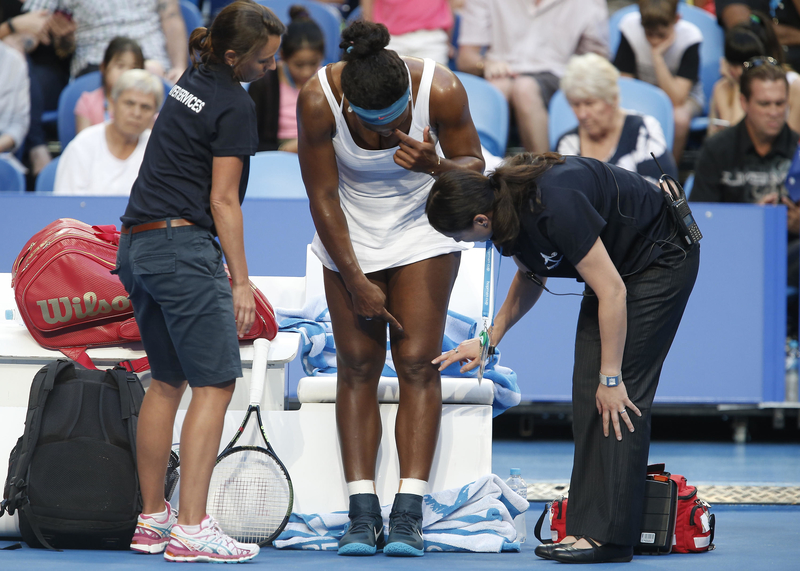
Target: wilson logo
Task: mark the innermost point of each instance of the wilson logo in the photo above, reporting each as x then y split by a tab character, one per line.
52	308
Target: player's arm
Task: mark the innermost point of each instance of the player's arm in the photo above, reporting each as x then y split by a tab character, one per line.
451	124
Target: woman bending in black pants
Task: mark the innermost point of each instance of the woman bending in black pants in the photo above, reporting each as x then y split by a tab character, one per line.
580	218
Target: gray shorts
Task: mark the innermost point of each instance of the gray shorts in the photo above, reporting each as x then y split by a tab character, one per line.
183	304
548	85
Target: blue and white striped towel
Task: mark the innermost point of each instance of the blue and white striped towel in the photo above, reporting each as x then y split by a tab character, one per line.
318	351
478	517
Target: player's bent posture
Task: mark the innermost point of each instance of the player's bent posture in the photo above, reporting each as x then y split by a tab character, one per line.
190	188
368	129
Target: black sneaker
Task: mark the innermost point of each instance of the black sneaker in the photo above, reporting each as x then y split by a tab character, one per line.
405	527
364	534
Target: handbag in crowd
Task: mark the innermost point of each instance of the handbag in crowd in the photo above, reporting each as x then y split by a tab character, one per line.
674	519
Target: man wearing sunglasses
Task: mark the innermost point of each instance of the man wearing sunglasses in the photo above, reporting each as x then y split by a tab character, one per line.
749	161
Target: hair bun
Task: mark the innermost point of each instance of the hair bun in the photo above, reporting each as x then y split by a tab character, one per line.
363	39
298	13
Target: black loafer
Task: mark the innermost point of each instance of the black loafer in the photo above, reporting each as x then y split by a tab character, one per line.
606	553
545	550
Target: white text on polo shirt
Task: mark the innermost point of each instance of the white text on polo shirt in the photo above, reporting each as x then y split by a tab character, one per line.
191	101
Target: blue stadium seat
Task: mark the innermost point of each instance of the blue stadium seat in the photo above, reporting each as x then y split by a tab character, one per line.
46	180
711	49
326	16
688	184
191	16
66	104
275	174
489	110
633	94
10	178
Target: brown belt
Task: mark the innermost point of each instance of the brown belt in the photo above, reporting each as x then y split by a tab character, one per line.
158	224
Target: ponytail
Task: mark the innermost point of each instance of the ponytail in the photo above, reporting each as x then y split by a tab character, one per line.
509	192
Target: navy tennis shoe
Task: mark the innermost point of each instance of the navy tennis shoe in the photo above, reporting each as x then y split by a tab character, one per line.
405	527
364	534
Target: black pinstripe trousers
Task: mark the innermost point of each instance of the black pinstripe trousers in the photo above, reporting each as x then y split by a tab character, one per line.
607	486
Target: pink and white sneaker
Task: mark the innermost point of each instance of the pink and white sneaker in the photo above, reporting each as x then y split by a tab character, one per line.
210	544
152	535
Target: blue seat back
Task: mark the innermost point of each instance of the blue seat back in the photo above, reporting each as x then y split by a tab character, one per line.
10	177
328	18
489	110
633	94
275	174
46	180
66	104
191	16
711	49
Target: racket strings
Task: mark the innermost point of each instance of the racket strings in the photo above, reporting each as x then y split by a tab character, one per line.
249	495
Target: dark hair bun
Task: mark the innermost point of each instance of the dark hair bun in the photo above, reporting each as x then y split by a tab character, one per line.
298	13
363	39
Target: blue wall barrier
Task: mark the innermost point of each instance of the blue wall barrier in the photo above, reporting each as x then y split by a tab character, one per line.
729	348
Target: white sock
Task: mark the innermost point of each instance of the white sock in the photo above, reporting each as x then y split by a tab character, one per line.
191	529
361	487
159	517
413	486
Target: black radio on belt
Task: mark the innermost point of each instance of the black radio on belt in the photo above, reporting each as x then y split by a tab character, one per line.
678	206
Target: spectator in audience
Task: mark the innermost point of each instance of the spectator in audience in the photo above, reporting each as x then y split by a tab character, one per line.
743	42
47	40
104	159
749	161
418	28
275	95
121	55
15	101
528	45
658	47
605	131
156	25
785	15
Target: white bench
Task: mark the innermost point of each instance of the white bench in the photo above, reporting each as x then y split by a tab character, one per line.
305	439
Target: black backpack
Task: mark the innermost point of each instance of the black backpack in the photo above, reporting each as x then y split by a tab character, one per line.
72	474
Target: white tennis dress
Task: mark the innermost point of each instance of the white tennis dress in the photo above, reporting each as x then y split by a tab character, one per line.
384	204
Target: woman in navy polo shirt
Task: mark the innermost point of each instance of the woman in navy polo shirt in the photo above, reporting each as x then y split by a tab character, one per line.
189	190
580	218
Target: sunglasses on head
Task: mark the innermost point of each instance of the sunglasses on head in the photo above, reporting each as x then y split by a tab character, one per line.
759	61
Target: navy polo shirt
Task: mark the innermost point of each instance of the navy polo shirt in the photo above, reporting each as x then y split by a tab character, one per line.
206	114
584	199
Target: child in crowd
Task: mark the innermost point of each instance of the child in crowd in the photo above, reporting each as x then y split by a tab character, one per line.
121	55
658	47
754	38
275	95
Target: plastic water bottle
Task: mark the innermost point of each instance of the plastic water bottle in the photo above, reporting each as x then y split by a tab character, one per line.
516	483
792	354
13	315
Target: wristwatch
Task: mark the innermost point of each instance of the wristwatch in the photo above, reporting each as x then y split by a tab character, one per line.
610	381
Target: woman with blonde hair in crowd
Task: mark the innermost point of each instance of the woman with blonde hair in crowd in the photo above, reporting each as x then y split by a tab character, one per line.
605	131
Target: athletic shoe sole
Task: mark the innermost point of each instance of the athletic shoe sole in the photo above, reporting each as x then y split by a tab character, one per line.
151	548
206	558
358	549
400	549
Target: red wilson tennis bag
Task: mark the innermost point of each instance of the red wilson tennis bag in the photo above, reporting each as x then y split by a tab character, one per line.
65	292
70	301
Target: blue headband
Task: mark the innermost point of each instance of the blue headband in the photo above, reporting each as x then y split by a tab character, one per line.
384	116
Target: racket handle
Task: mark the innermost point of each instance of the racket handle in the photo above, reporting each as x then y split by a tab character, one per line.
259	371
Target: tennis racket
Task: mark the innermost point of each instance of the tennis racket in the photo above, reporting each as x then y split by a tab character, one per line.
487	314
251	493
